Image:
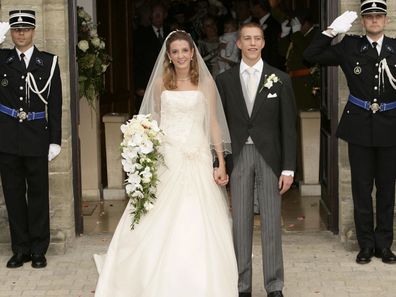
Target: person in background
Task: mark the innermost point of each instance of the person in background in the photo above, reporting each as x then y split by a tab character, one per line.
229	53
149	41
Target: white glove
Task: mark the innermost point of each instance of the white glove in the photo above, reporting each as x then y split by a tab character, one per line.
54	150
4	27
295	24
343	23
285	28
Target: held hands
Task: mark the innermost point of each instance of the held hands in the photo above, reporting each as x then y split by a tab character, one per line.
4	27
220	175
343	23
54	150
285	183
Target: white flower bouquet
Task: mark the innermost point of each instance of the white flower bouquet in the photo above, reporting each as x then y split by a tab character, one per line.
140	160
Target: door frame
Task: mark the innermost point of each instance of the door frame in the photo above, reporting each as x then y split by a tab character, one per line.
75	118
329	175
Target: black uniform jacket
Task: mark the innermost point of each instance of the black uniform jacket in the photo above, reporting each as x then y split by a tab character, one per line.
272	124
29	138
359	62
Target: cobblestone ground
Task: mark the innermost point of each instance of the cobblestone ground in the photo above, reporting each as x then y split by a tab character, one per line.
316	265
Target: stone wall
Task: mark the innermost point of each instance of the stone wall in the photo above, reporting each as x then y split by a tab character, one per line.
52	36
346	223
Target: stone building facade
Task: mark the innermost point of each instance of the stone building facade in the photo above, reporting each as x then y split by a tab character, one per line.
52	34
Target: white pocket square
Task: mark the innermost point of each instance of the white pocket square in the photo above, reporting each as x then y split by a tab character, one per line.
270	95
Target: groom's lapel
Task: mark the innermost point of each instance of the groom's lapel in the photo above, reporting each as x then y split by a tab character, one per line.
239	98
261	96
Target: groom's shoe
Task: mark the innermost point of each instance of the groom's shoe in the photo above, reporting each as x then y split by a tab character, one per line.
245	294
365	255
386	255
275	294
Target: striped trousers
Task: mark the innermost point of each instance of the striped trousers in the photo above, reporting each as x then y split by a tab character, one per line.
250	168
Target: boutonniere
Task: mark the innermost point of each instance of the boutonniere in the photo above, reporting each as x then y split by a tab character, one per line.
270	81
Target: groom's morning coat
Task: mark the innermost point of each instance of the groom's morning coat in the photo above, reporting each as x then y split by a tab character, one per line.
272	123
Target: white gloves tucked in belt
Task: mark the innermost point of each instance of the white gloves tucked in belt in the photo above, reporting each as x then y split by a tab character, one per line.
342	24
54	150
4	27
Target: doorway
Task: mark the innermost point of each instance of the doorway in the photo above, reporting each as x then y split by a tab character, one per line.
118	18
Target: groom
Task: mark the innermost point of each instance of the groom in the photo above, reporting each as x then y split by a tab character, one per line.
259	105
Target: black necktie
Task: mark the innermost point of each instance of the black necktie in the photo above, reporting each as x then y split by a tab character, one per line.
22	55
374	44
160	37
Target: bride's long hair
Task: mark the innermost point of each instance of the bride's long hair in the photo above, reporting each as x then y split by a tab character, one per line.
169	78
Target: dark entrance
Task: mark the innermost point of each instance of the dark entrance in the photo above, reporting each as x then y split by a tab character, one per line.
115	19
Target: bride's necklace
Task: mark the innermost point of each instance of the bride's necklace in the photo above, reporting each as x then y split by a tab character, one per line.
184	79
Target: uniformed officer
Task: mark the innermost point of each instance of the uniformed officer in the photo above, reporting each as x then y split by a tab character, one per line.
30	136
368	122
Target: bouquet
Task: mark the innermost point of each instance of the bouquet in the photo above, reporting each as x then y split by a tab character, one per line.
140	160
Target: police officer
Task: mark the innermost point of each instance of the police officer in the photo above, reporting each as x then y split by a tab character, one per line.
368	122
30	136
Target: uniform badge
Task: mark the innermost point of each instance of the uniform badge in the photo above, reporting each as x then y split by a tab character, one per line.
39	62
357	70
4	82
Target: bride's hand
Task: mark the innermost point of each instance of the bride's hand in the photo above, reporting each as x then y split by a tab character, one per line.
220	175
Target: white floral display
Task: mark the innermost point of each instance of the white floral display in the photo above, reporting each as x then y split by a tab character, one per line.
141	158
269	82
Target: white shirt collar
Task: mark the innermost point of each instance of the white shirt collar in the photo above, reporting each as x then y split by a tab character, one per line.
379	42
258	66
156	30
28	54
264	18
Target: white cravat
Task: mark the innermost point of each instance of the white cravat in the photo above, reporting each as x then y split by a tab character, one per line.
251	83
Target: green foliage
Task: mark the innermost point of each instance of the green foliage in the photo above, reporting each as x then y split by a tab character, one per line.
92	58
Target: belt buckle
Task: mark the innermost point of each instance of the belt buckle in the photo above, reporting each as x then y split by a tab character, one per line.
375	107
22	115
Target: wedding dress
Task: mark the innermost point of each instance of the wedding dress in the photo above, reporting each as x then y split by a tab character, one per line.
183	247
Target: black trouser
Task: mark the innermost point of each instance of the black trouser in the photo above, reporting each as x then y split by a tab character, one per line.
371	165
25	185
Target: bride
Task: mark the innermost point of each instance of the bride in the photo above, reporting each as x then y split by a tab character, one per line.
183	246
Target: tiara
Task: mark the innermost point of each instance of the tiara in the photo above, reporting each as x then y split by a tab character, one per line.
175	31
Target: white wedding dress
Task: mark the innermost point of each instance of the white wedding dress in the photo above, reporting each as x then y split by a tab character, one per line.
183	247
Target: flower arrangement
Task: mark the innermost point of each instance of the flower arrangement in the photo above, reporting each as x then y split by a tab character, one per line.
140	160
269	81
92	58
